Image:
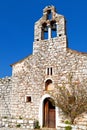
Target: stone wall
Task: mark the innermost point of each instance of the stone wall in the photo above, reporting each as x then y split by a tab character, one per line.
30	74
74	127
17	123
5	96
26	83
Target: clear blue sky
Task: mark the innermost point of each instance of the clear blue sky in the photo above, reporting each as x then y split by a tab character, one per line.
17	18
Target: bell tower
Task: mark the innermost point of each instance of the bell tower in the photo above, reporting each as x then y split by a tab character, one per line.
50	28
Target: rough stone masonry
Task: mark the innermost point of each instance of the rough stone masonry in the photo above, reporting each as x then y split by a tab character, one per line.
24	95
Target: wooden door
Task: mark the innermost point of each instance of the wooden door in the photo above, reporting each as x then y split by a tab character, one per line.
49	114
51	118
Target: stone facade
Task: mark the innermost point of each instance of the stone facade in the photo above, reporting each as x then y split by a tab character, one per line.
5	99
23	94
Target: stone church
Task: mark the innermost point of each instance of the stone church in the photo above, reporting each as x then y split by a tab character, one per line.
26	93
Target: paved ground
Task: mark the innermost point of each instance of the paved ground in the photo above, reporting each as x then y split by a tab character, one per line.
14	128
7	128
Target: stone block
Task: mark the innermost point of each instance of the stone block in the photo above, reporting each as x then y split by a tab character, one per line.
19	121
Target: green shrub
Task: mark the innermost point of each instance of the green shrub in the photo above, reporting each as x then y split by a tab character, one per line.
36	125
18	125
67	122
68	128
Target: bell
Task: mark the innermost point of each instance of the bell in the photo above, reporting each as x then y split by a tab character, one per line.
54	27
46	29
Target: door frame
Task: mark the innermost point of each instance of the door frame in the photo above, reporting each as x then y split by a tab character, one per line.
57	117
48	109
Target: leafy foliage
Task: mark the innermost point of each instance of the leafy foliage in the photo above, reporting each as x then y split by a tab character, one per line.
18	125
71	97
68	128
67	122
36	125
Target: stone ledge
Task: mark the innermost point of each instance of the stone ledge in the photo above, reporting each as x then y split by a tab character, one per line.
17	123
62	126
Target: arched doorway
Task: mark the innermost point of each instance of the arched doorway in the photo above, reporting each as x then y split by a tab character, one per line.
48	113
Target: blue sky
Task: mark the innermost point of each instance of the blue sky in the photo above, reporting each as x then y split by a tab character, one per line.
17	18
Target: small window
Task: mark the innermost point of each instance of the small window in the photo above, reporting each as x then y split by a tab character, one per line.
49	71
49	85
28	98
